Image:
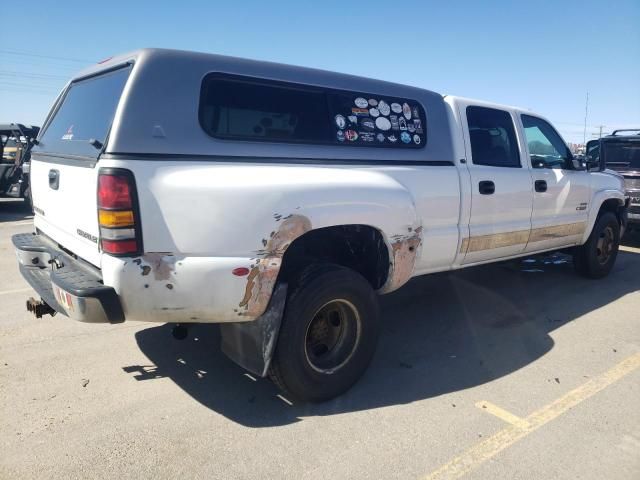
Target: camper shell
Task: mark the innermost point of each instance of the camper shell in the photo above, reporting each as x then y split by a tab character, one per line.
158	112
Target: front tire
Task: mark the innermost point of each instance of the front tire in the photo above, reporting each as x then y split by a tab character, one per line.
596	257
328	335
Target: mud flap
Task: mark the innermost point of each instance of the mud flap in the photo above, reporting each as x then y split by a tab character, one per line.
251	344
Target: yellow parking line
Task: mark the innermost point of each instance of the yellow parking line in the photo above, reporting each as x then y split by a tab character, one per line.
503	414
480	453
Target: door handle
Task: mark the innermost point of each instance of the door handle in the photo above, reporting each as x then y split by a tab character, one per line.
541	185
54	179
486	187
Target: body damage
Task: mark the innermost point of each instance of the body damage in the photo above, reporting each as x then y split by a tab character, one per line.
404	251
248	216
264	272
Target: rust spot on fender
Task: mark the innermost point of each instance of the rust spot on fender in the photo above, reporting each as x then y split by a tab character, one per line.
263	274
162	265
404	250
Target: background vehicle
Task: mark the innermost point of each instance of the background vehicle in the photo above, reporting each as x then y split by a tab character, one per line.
620	151
279	201
16	141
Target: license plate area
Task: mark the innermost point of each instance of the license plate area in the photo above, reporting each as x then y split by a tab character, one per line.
65	299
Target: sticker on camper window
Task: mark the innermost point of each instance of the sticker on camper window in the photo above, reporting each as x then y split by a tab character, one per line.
406	111
361	102
384	108
69	134
383	124
376	121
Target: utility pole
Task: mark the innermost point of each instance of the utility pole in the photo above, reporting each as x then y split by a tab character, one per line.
599	134
586	111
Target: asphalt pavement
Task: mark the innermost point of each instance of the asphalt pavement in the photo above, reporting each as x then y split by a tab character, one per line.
520	370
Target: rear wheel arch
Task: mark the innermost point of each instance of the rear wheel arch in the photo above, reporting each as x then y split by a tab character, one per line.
362	248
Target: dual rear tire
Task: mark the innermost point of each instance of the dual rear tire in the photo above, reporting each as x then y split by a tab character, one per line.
328	334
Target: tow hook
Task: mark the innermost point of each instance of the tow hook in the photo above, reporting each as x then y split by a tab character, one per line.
180	331
39	308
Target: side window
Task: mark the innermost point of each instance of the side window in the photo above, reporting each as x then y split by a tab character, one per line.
546	147
252	109
493	137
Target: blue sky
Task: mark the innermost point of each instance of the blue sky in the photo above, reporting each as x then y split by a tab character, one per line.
542	55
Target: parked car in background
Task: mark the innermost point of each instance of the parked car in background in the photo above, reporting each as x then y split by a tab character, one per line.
279	201
16	141
620	152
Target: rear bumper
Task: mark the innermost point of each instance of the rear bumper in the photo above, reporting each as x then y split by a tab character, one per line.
68	285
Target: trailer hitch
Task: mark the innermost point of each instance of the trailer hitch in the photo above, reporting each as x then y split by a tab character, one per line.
39	308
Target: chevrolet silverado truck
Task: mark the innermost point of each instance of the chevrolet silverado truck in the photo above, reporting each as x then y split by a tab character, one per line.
280	201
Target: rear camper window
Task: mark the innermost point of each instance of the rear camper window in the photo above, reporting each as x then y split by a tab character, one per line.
242	108
85	115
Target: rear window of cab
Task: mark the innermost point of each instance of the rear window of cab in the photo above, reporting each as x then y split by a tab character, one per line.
245	108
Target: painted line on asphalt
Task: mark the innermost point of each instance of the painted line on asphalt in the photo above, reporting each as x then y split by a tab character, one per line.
13	224
18	290
502	414
492	446
288	402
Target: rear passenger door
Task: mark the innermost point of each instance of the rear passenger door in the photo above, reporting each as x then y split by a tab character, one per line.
501	187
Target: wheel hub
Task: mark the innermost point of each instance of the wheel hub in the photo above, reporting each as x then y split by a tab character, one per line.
605	245
332	336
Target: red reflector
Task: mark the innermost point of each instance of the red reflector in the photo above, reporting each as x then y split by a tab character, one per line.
114	192
119	246
240	271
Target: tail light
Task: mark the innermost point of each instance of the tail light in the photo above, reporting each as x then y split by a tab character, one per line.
118	214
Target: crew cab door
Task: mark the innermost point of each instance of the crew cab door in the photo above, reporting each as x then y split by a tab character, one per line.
561	193
501	187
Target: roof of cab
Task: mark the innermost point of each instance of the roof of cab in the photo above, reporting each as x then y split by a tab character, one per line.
163	95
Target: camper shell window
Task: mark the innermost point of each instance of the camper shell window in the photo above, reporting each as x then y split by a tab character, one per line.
82	122
245	108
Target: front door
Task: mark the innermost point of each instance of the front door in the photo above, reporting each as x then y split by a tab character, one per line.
561	193
501	186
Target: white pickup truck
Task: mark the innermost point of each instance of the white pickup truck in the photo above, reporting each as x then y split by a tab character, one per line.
280	201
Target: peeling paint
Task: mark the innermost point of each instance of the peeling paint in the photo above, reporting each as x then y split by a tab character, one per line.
162	264
264	273
404	253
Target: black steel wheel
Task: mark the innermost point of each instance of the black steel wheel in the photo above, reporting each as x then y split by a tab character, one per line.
596	257
328	335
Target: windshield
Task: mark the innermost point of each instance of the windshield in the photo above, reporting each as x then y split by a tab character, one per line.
86	114
623	155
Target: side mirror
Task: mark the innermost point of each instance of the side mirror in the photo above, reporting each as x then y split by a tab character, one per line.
578	164
592	163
